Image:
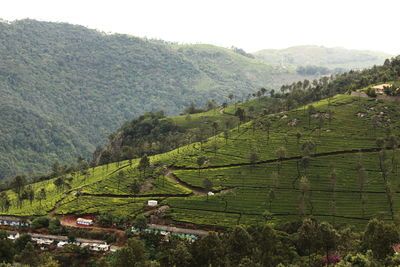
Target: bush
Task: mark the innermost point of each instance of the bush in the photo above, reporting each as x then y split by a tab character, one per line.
371	92
54	226
41	222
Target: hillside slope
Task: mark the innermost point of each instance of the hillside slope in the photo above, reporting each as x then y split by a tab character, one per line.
81	84
322	161
331	58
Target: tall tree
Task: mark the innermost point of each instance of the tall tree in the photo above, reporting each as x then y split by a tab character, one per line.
309	237
18	184
304	187
41	196
144	164
200	162
281	154
380	237
362	181
311	110
333	189
132	254
5	202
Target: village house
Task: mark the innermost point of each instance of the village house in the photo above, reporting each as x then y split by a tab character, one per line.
379	89
13	221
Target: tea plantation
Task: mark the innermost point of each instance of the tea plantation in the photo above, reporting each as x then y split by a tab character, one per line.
336	160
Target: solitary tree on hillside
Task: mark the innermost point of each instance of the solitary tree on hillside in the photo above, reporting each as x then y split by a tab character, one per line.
309	237
311	110
231	96
5	202
267	126
59	183
298	137
384	165
241	114
271	197
333	189
274	180
144	163
380	237
18	184
135	187
281	154
362	180
120	177
304	187
393	144
380	142
253	156
30	194
208	185
41	196
308	147
223	198
200	161
226	136
329	237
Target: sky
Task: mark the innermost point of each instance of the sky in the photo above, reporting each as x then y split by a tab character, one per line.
252	24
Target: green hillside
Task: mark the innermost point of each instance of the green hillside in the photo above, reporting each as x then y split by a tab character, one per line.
328	165
64	87
331	58
154	133
335	159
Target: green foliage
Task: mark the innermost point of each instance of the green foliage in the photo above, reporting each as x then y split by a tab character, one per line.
131	255
57	82
140	222
7	250
371	92
41	222
380	237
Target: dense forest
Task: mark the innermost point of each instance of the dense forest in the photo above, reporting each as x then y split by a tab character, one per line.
64	87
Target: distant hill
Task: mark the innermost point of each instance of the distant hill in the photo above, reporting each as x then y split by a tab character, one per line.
331	58
63	87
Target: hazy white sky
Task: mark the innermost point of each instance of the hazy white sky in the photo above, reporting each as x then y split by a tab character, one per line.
251	24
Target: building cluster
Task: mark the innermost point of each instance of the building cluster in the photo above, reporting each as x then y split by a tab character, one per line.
46	241
14	221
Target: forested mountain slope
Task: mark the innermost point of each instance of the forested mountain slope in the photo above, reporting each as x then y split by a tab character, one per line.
330	58
63	88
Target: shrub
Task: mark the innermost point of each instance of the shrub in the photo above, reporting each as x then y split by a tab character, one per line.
41	222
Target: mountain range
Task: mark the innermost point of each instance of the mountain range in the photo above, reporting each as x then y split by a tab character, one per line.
64	87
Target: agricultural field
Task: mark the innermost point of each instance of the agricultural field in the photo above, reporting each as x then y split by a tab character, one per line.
251	163
336	160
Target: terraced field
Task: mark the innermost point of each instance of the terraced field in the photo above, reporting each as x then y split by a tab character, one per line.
322	161
341	141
